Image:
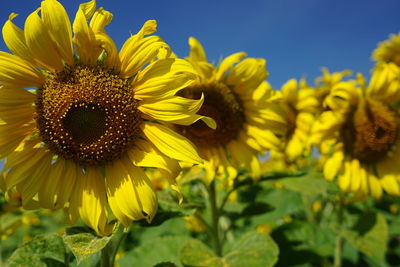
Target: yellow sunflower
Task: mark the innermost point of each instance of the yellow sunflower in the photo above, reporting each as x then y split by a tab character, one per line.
323	87
386	72
79	118
362	133
388	51
244	107
324	83
300	106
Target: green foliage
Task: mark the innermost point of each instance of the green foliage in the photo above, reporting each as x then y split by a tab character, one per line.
291	230
311	184
84	244
196	253
369	235
155	251
42	250
252	249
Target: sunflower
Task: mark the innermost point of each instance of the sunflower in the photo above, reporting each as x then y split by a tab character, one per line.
323	87
244	107
79	119
386	72
362	133
388	51
324	83
300	106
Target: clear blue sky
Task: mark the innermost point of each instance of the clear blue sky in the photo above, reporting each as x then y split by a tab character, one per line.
297	37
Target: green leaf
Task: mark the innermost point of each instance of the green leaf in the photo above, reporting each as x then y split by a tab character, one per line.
306	236
165	264
253	249
285	203
311	184
42	250
161	250
9	220
370	235
196	253
256	208
83	245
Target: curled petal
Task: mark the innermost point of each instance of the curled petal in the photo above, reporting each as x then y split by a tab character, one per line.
177	110
170	143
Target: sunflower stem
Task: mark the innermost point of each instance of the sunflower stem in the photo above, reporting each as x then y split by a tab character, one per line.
337	261
215	219
109	252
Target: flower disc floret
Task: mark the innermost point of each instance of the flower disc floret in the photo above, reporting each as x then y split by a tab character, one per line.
87	114
221	104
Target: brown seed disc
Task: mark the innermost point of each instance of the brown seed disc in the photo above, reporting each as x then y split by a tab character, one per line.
87	114
370	132
221	104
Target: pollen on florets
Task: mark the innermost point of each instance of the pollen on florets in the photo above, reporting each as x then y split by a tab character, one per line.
221	104
87	114
370	132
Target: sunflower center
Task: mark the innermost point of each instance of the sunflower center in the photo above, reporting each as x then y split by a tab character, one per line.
291	116
87	114
221	104
371	132
85	122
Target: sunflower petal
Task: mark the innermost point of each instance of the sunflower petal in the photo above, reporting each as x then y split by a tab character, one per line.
11	135
141	53
176	109
107	43
247	75
37	176
149	156
375	187
344	179
227	64
88	8
17	72
163	78
130	193
41	44
101	18
89	198
196	51
243	155
24	169
148	27
16	114
85	39
57	190
57	22
333	165
14	38
11	96
170	143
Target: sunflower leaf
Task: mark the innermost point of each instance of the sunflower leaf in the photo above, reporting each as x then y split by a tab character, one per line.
369	235
160	251
83	245
311	184
252	249
42	250
196	253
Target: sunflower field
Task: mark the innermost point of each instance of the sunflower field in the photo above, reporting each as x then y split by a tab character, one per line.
136	157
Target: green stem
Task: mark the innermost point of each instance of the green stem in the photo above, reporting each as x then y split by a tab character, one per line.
106	255
308	209
215	219
109	252
337	261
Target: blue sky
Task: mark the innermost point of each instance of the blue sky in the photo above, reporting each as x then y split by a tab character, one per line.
296	37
